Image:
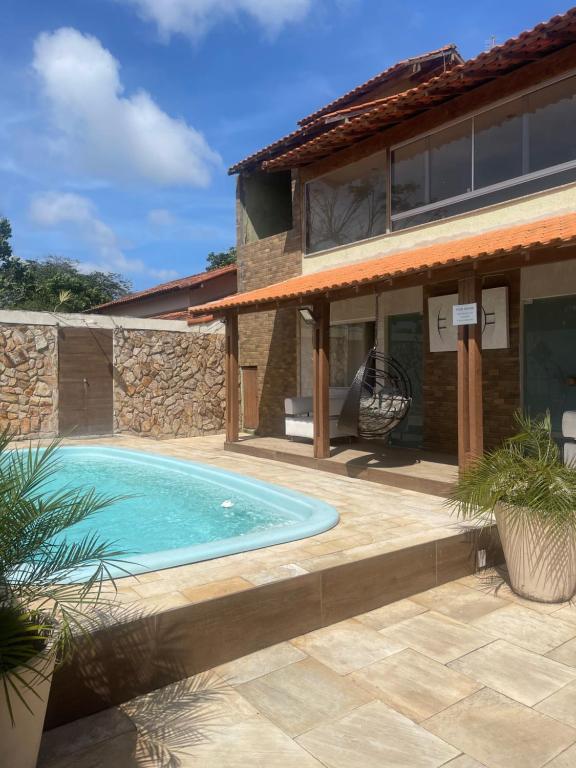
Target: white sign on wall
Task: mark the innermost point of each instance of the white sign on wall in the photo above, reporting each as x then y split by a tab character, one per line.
493	316
465	314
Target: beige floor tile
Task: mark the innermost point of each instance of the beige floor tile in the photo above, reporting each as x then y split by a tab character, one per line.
260	663
515	672
257	743
565	653
491	583
464	761
303	695
374	736
561	705
391	614
216	589
565	760
163	602
459	602
346	646
566	613
437	636
530	630
501	733
415	685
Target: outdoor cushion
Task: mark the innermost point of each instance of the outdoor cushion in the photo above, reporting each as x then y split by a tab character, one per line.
569	424
303	426
570	454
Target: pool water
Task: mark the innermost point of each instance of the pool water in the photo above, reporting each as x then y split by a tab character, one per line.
179	511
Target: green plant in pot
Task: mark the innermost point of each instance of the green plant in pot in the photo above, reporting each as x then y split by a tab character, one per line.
531	493
42	607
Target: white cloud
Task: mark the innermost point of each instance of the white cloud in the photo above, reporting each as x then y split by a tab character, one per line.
104	131
160	217
194	17
66	209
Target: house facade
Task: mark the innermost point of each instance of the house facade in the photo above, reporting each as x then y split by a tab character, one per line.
438	183
170	301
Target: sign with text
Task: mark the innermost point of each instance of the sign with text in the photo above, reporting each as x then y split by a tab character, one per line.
465	314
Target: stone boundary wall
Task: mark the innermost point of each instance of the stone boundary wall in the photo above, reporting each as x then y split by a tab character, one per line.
168	377
168	384
28	380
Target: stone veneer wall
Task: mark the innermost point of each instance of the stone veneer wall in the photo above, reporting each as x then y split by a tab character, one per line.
269	340
28	380
168	384
500	378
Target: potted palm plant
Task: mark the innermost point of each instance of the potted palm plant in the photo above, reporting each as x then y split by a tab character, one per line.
531	493
42	608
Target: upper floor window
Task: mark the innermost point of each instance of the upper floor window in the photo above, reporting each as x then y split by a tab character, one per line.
346	205
516	148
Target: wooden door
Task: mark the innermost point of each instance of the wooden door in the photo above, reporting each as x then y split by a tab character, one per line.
250	397
85	381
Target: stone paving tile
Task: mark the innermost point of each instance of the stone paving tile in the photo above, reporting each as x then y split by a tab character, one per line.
384	617
464	762
566	613
346	646
565	760
491	583
436	636
517	673
374	736
260	663
415	685
501	733
303	695
524	627
215	589
561	705
459	602
565	653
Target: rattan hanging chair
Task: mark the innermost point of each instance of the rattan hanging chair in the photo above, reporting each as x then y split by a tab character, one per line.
379	398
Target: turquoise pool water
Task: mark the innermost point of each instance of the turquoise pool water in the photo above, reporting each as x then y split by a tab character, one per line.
182	512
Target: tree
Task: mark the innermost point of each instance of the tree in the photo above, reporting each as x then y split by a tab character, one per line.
52	283
221	259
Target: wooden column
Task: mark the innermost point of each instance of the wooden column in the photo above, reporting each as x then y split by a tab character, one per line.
232	380
470	407
321	401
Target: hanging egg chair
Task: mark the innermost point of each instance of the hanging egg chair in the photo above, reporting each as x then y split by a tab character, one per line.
378	399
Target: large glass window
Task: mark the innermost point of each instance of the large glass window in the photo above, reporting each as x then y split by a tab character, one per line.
349	345
552	125
346	205
498	144
498	155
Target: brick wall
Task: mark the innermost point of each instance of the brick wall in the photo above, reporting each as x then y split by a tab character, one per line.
268	340
500	373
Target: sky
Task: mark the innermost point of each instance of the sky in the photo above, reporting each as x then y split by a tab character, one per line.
119	118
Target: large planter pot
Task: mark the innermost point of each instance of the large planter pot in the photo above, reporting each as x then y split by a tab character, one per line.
541	563
20	742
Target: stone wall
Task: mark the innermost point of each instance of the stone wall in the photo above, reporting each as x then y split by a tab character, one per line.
168	384
28	380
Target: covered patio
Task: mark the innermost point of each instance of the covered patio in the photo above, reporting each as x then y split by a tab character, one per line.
469	263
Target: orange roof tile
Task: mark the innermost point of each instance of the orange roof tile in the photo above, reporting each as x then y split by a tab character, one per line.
544	232
173	285
544	39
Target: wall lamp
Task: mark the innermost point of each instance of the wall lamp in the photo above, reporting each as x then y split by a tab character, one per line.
307	315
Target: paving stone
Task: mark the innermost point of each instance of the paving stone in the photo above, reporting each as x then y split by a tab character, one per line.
391	614
459	602
530	630
260	663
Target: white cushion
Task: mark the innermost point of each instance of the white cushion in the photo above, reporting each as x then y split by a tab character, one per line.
570	454
303	426
296	405
569	424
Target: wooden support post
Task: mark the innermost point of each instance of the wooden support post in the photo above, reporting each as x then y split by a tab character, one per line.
470	409
232	380
321	400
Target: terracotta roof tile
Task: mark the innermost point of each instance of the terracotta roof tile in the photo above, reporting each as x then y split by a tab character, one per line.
550	231
173	285
545	38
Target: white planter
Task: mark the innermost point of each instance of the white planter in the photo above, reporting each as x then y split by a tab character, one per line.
541	565
20	742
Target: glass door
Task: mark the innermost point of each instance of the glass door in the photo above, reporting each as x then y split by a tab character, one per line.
405	345
550	358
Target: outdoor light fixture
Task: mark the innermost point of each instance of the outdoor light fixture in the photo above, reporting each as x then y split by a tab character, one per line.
307	315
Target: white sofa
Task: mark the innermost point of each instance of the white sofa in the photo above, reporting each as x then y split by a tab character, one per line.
299	418
569	434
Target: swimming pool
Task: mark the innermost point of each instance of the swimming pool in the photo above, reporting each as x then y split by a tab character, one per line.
183	512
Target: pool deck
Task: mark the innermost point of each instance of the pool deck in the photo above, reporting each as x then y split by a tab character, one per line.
466	675
164	626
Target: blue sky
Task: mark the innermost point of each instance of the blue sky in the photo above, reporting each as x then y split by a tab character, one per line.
119	118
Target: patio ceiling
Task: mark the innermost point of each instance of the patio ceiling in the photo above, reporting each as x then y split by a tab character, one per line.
330	283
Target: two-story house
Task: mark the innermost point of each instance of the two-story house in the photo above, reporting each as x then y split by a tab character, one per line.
438	183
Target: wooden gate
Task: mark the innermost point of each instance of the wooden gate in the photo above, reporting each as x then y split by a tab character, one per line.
85	384
250	397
